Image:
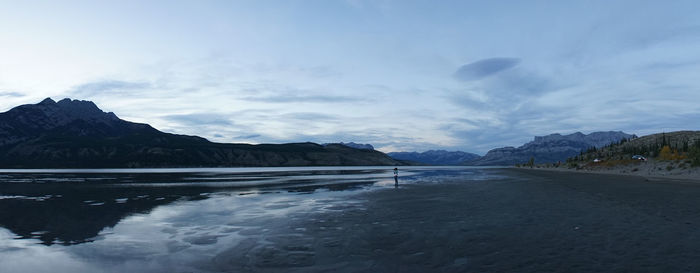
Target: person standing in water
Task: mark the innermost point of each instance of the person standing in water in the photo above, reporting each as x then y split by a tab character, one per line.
396	177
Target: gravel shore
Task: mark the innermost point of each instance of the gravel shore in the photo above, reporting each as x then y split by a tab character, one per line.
651	169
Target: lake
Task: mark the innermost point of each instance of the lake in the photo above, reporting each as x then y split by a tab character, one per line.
345	219
169	220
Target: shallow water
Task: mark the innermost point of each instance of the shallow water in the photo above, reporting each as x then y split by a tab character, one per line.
180	220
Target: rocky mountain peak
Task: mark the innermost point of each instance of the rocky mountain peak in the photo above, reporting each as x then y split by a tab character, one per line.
551	148
578	136
58	113
47	101
83	109
65	117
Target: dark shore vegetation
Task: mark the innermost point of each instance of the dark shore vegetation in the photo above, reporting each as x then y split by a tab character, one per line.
681	148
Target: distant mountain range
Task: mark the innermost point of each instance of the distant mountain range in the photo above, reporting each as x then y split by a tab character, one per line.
354	145
548	149
77	134
544	149
435	157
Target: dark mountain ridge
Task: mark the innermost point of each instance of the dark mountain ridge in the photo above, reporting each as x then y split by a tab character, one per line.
77	134
353	145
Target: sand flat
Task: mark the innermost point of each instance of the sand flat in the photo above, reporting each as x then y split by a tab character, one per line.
437	220
530	222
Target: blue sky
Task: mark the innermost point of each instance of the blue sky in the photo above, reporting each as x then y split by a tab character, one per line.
401	75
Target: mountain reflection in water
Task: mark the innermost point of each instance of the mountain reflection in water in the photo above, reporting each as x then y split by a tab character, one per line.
193	220
70	208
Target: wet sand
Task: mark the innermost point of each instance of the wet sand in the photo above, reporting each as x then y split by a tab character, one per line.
534	221
437	220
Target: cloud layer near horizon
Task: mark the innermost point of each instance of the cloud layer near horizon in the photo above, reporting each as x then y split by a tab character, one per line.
400	75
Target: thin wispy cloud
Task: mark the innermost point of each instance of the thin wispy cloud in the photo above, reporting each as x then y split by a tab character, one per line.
11	94
199	119
248	136
303	99
107	87
311	116
484	68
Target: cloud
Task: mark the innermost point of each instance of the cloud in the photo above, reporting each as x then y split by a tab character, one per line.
11	94
320	71
484	68
672	65
665	34
303	98
592	70
107	86
251	136
309	116
199	119
522	82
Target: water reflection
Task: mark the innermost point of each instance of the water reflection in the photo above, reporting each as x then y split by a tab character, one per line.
70	208
180	237
174	222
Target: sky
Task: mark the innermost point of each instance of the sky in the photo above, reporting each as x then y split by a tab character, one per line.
400	75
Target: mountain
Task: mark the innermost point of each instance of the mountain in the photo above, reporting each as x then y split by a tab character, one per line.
77	134
435	157
354	145
681	144
548	149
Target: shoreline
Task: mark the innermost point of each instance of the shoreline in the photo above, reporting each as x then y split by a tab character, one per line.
651	170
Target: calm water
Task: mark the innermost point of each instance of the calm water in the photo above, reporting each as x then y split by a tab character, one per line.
172	220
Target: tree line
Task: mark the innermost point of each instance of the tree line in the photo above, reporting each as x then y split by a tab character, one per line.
662	148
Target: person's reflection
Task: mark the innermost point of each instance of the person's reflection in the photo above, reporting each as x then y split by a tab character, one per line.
396	177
